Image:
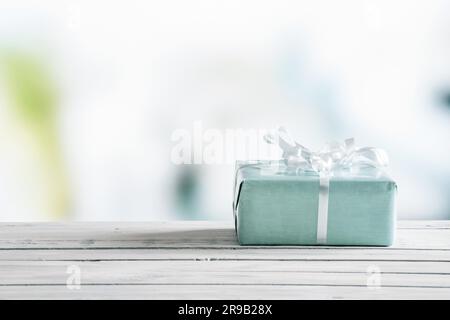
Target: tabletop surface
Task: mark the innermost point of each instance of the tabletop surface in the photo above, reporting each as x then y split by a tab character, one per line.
202	260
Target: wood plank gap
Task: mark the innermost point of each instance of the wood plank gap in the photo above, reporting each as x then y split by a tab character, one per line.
223	259
224	248
218	284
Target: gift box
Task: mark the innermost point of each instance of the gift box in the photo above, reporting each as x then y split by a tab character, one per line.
341	195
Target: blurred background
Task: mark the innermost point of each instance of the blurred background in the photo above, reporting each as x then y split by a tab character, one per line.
91	93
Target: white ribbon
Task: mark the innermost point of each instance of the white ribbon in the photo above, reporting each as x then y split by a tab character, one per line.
322	211
334	157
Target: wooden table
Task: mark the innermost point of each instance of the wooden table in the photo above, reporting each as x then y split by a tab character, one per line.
202	260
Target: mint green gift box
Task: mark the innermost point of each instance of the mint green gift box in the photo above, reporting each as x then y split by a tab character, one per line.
275	205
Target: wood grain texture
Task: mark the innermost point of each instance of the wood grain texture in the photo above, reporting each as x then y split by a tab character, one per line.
202	260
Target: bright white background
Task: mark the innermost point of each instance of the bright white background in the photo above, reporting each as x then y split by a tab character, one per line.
127	74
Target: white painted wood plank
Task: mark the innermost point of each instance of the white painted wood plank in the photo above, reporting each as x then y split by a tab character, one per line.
423	224
17	227
210	292
238	253
402	274
183	234
141	230
18	267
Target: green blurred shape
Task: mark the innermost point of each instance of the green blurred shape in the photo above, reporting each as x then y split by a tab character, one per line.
35	102
30	86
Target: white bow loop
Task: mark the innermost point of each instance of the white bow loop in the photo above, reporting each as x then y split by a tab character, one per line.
333	157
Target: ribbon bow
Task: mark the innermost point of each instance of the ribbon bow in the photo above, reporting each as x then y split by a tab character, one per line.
331	158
